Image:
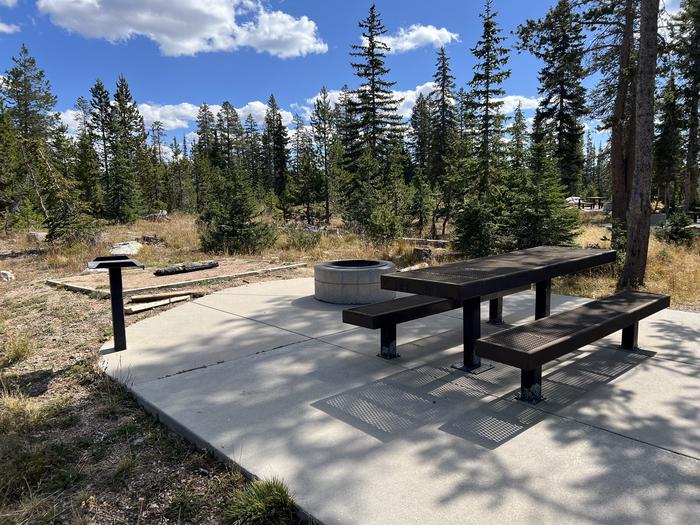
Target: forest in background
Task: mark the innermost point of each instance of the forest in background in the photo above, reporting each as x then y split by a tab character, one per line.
457	166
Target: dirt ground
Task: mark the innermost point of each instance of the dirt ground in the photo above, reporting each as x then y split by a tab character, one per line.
137	278
74	446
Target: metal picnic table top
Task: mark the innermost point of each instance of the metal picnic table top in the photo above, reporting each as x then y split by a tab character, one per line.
485	275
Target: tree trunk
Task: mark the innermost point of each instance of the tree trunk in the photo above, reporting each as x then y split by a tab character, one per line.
617	137
639	208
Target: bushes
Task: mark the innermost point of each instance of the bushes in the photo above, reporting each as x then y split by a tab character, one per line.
263	502
302	240
676	230
383	226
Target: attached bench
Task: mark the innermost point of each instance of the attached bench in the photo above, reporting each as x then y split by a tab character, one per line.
530	346
386	315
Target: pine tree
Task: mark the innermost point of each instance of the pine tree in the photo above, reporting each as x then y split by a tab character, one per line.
538	214
127	138
558	41
374	104
668	153
519	141
230	133
86	166
686	46
205	131
230	221
323	125
443	119
30	102
589	168
275	154
252	153
489	73
101	128
9	169
419	135
305	182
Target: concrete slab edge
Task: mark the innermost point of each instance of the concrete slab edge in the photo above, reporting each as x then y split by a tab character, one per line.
203	445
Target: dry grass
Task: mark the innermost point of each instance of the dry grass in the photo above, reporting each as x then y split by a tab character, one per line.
13	349
671	269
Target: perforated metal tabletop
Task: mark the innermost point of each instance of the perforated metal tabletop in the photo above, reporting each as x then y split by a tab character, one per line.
477	277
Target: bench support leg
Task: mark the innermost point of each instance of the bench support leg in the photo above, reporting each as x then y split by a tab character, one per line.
388	342
531	386
629	337
496	311
543	297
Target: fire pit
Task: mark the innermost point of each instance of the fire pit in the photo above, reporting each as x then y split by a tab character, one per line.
352	281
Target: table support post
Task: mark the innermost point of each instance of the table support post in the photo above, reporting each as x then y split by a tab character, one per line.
543	297
531	385
388	342
117	300
471	328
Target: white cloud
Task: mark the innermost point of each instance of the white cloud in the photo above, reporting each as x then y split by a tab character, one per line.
70	119
510	102
418	35
8	28
172	116
188	27
409	97
8	3
258	109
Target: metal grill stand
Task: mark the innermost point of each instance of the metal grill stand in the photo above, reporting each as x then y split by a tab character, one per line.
115	263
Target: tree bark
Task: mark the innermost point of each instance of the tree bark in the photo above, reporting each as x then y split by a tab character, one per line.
617	137
639	207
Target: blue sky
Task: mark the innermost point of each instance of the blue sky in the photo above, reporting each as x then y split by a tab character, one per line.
177	54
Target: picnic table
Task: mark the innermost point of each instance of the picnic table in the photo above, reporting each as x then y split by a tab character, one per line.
467	281
597	201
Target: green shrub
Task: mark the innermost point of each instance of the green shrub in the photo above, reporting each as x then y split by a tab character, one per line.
302	240
676	230
263	502
383	226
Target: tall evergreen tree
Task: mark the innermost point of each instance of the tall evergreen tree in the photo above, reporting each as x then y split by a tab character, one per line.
323	125
490	72
558	40
101	128
420	135
275	153
127	138
668	153
252	153
443	118
375	105
86	166
230	133
687	48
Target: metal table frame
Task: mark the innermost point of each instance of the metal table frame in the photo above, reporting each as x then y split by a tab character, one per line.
467	281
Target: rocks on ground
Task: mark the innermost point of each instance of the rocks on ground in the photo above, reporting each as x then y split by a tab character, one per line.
7	275
126	248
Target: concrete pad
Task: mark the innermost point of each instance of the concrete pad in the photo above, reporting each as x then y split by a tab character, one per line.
187	337
655	400
362	440
271	305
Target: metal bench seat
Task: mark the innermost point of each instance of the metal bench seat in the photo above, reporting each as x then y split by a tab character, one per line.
386	315
530	346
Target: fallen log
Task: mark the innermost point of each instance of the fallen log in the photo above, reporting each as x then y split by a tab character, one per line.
145	298
142	307
186	267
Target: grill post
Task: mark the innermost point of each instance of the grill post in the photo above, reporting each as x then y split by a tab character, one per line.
116	295
115	263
